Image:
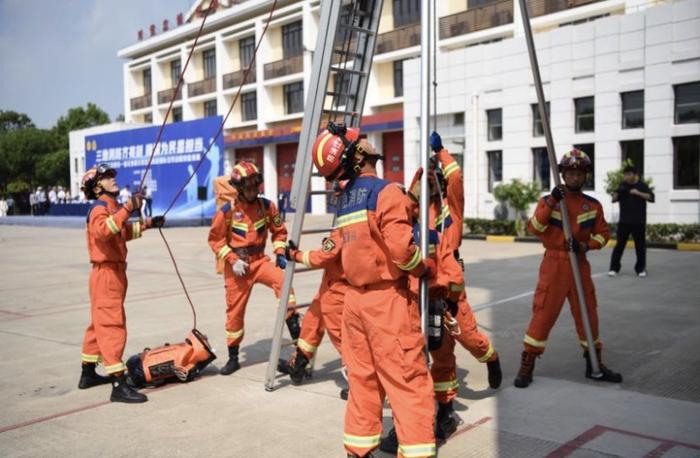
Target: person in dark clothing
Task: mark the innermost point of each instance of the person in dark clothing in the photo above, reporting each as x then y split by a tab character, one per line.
633	195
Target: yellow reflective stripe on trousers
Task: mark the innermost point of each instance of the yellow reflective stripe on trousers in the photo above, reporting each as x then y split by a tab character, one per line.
224	251
415	260
598	238
586	216
534	342
488	355
306	259
234	334
112	225
276	245
537	225
352	218
456	287
450	169
307	347
90	358
135	230
119	367
361	441
444	213
441	387
417	450
584	343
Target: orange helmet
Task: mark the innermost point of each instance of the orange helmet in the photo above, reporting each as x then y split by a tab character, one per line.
333	149
245	173
92	177
575	159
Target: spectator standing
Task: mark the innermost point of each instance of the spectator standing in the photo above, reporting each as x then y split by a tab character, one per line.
32	202
10	205
3	207
148	201
633	195
53	196
42	201
282	204
61	194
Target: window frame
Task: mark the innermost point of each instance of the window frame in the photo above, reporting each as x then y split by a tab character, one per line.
206	108
579	117
624	111
490	135
677	166
246	45
589	185
398	77
292	39
676	104
494	157
538	167
536	120
625	153
175	76
147	80
175	111
291	90
248	99
209	63
410	16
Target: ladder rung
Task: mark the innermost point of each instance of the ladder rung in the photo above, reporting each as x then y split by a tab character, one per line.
348	70
322	192
325	230
340	94
355	28
351	113
351	55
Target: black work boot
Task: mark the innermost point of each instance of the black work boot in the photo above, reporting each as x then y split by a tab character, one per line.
90	378
294	325
122	392
606	375
232	365
495	374
445	423
390	443
296	367
527	366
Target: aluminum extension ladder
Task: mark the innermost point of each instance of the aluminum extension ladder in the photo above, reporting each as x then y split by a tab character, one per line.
337	88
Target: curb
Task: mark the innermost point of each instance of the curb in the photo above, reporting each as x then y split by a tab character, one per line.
679	246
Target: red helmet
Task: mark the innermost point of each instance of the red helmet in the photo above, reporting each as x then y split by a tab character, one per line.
92	177
575	159
331	150
245	173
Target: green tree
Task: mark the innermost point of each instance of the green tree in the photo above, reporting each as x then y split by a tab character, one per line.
20	153
11	120
518	196
79	118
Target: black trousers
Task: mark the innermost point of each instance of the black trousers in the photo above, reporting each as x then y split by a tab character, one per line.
638	232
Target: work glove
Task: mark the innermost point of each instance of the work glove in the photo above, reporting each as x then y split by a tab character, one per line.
558	193
290	251
134	203
451	307
281	262
240	268
157	221
435	142
575	246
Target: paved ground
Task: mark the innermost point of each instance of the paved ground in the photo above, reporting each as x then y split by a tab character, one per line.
651	330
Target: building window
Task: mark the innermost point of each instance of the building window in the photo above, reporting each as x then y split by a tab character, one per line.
148	118
246	49
406	12
494	127
589	149
292	44
209	108
687	105
632	109
540	167
495	164
177	114
147	81
458	119
398	78
209	58
175	70
686	162
293	98
634	151
537	129
249	106
75	163
585	121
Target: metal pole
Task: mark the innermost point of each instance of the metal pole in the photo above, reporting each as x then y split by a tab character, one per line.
557	181
426	26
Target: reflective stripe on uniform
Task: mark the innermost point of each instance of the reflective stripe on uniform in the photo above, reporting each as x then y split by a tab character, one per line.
457	287
537	225
415	260
352	218
277	245
450	169
224	251
306	259
90	358
307	347
240	226
112	225
119	367
234	334
361	441
488	355
556	215
442	387
417	450
292	299
260	224
534	342
586	216
584	343
598	238
135	230
444	213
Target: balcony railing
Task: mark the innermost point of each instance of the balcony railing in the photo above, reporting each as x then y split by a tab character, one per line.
201	87
542	7
284	67
236	78
405	37
474	19
167	95
141	102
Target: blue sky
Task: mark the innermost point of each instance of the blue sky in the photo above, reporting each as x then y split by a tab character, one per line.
58	54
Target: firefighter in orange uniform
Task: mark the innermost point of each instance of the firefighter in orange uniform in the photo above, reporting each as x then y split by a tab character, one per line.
556	282
237	235
326	310
108	230
381	336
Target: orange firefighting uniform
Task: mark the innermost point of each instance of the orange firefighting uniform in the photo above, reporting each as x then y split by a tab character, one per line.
556	281
244	238
326	310
108	230
382	340
225	194
465	331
